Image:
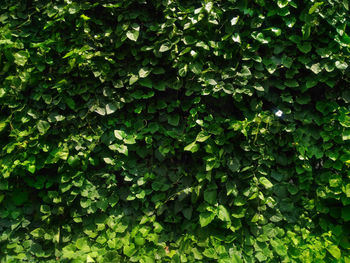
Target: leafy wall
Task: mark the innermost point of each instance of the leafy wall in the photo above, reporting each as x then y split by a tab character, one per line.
174	131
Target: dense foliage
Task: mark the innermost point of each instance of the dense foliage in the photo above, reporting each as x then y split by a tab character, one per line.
174	131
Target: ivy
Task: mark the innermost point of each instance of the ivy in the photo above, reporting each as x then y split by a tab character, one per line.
174	131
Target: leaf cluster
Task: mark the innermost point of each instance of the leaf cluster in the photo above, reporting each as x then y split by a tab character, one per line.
174	131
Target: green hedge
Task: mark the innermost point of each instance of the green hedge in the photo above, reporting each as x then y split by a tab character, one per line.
174	131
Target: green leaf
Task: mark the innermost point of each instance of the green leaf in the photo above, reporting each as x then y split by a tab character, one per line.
119	134
306	30
21	57
174	119
129	250
140	241
329	67
311	83
287	61
133	34
239	201
183	70
205	218
210	196
223	214
260	256
38	232
192	147
233	164
100	111
277	31
341	65
304	47
110	108
144	72
196	67
43	126
282	3
234	20
70	102
165	47
316	68
291	83
2	92
31	168
346	189
236	258
2	126
146	82
346	135
89	259
345	213
19	197
334	251
202	136
119	148
84	17
133	79
259	87
279	247
236	38
265	182
314	7
187	212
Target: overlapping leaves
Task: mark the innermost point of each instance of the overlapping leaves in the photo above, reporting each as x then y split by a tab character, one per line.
174	131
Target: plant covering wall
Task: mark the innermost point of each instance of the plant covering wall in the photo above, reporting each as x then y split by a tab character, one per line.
174	131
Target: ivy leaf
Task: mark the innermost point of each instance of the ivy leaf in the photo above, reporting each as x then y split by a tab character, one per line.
187	212
265	182
314	7
110	108
202	136
345	213
306	30
334	251
316	68
165	47
223	214
144	72
119	134
205	218
43	126
20	197
260	256
304	47
235	258
134	33
100	111
234	20
129	250
210	196
174	119
233	164
21	57
282	3
70	102
346	135
192	147
279	247
120	148
133	79
236	38
2	126
341	65
146	82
